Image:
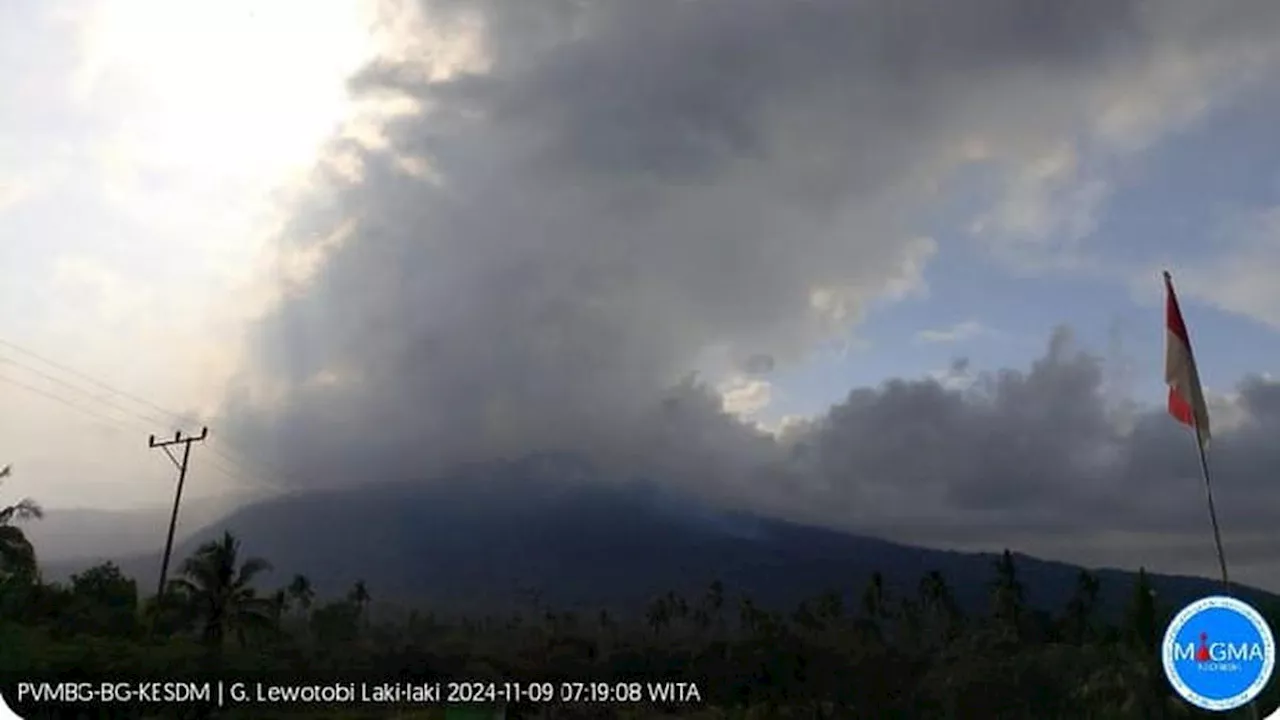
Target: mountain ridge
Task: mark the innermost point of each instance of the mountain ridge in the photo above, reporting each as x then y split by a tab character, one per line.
484	541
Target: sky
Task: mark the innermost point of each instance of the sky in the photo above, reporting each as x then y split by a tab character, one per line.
888	267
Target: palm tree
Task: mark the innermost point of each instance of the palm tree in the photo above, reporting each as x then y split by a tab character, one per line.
713	603
939	606
279	606
876	605
359	596
751	619
659	614
1083	605
219	590
300	592
17	555
1006	593
1143	626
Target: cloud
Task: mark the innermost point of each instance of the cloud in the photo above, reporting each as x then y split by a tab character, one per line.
746	396
964	330
1046	208
97	289
1046	197
1242	279
758	364
616	188
1038	459
12	192
957	376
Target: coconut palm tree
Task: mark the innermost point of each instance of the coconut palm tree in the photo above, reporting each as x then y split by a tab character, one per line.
17	555
1007	599
713	602
877	605
1082	607
940	608
300	592
218	589
1141	614
359	596
359	593
659	614
679	606
280	607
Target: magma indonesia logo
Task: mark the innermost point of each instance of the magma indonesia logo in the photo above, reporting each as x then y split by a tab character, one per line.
1219	653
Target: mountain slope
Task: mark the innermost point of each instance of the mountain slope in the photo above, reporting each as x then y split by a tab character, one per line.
64	533
485	541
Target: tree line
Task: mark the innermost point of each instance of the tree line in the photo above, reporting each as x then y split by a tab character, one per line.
886	653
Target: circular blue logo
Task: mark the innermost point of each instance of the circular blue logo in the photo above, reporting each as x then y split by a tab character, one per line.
1218	653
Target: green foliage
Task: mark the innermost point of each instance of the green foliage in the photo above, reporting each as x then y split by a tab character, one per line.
1007	600
336	623
103	602
1143	617
901	653
218	590
17	556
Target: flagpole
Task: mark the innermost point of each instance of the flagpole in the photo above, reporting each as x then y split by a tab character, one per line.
1213	515
1217	538
1189	408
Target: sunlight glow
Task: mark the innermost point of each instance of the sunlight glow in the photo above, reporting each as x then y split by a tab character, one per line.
208	116
243	91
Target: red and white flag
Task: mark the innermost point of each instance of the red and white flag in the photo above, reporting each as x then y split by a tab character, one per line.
1186	398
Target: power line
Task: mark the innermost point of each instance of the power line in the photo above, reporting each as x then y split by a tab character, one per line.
90	379
62	400
237	472
51	378
240	463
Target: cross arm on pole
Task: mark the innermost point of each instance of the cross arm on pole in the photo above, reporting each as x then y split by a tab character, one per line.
178	439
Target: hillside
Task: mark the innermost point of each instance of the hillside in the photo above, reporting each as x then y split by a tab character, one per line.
488	541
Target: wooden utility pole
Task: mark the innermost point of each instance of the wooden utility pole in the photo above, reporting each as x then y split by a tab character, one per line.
177	496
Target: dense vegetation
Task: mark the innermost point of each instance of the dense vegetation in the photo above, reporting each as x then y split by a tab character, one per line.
888	655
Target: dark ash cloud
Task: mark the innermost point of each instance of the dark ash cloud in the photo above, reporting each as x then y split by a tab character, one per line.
537	258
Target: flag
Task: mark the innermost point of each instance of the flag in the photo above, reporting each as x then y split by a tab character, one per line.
1186	398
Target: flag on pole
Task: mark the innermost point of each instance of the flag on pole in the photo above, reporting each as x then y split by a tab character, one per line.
1186	398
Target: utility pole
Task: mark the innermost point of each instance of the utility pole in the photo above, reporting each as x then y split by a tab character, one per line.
177	496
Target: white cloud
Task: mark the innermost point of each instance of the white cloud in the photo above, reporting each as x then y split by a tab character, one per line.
151	148
1229	411
961	331
1049	205
12	192
789	428
91	289
745	396
1242	277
